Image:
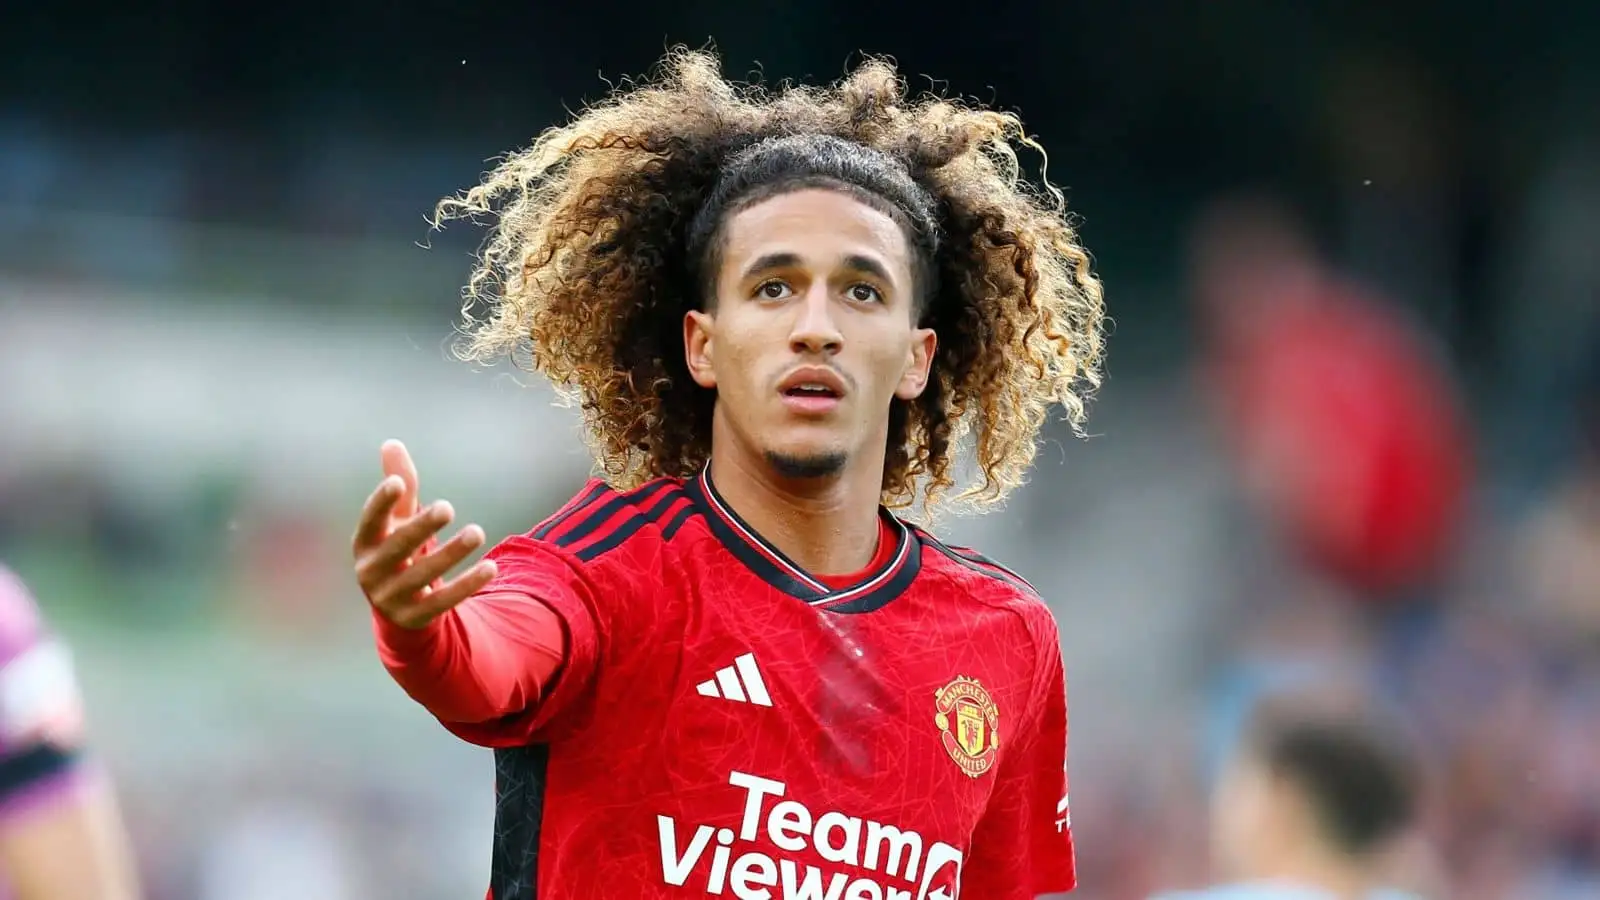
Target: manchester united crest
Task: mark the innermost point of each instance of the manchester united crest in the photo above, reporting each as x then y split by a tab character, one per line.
969	723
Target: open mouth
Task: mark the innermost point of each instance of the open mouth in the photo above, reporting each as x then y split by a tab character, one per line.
817	391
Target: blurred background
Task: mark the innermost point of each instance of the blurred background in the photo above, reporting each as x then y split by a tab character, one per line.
1351	429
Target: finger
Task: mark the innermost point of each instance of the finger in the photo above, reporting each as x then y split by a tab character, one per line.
426	570
374	522
450	595
379	564
397	461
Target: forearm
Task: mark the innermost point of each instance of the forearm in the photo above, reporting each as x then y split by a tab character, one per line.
491	657
74	845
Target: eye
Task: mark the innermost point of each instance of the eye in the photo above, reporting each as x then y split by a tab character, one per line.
774	290
864	293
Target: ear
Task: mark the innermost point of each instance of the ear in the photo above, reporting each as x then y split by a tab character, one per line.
919	360
697	331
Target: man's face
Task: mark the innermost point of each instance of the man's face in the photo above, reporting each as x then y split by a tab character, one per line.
811	334
1254	814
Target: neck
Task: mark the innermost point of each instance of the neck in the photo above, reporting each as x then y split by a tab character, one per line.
1313	868
827	526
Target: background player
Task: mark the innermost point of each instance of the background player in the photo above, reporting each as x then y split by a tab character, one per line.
1314	805
730	668
60	833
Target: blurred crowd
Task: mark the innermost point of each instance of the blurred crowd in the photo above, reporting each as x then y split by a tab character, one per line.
1375	561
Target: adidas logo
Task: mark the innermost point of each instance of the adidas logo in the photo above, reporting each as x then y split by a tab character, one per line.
740	682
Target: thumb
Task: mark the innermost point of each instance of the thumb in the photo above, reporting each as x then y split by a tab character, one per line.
397	461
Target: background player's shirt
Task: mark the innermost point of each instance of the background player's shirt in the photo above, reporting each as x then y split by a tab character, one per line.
41	714
728	725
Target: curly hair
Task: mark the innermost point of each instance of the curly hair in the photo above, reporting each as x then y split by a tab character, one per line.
604	231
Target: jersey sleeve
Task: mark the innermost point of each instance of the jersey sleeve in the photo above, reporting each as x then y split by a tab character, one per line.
41	709
511	665
533	571
1022	847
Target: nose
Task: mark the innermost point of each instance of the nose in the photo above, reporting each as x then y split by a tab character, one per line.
814	330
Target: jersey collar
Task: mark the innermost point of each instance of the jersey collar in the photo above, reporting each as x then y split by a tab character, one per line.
876	588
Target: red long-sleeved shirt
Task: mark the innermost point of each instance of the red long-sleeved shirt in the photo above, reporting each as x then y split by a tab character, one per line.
497	654
488	658
649	672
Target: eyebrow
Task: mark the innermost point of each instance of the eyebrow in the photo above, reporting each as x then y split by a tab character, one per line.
856	262
772	261
868	266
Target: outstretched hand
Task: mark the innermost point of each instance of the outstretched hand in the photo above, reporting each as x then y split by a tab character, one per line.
399	561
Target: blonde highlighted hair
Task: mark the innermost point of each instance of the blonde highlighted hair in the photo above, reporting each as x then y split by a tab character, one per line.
594	256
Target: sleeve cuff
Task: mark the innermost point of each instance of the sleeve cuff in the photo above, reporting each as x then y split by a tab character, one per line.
398	645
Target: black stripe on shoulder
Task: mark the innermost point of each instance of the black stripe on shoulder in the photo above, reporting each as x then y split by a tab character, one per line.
679	519
973	556
595	516
979	563
649	509
573	507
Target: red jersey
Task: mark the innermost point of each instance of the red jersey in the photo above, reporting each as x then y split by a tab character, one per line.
727	724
